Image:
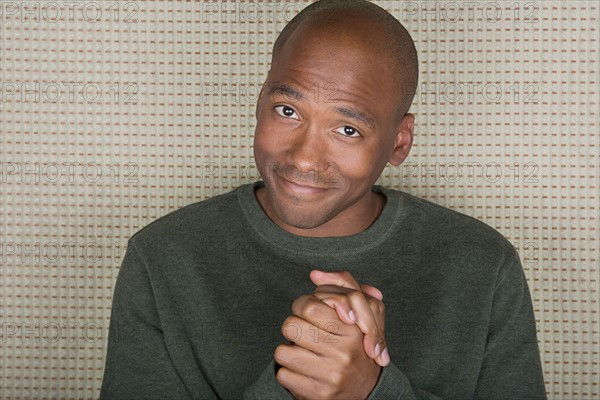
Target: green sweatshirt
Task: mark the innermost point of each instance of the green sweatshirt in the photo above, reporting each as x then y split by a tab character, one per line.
203	291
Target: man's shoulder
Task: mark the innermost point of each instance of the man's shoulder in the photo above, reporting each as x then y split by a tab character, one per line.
441	223
196	219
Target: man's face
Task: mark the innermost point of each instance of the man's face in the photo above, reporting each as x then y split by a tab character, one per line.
327	125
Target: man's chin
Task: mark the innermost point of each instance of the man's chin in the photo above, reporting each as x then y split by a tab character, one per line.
300	219
293	212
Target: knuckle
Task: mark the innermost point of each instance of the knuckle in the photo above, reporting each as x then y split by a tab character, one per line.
279	354
355	296
345	360
337	379
376	306
342	301
299	303
381	307
346	277
280	376
289	320
291	329
344	274
313	308
371	330
307	306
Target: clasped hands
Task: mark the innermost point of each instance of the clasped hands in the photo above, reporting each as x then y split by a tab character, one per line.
337	345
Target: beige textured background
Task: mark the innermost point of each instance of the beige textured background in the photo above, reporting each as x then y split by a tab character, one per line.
113	113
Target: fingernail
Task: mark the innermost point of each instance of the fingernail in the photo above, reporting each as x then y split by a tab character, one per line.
377	350
385	356
351	315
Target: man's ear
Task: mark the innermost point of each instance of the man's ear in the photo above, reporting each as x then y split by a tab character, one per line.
404	140
260	95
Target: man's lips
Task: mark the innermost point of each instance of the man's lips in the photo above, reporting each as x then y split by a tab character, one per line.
301	187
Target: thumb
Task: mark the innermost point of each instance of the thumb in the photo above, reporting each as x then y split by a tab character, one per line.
372	291
342	278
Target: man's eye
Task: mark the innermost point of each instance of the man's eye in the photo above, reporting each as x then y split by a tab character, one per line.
348	131
286	111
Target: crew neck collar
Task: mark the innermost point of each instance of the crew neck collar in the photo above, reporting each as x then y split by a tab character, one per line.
270	232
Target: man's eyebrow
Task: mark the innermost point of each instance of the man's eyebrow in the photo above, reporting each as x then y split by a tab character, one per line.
357	115
286	90
293	93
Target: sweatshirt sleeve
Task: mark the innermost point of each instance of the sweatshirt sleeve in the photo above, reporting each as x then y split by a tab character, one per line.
267	387
138	365
138	362
511	366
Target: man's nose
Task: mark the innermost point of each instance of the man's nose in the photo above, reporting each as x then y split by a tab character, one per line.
309	148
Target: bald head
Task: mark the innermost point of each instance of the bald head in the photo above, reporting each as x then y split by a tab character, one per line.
376	33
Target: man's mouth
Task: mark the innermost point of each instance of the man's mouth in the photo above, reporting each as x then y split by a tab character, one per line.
302	187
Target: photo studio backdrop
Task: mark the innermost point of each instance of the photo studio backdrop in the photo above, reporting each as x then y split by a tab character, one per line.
114	113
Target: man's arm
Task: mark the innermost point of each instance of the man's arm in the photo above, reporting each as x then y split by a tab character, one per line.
138	364
511	366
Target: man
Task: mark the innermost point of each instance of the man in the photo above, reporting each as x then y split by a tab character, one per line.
203	297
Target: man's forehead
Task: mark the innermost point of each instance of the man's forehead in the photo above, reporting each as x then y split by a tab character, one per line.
332	75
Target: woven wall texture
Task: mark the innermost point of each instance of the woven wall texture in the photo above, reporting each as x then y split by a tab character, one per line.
114	113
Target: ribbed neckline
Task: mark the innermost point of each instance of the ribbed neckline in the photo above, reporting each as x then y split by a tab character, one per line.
270	232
